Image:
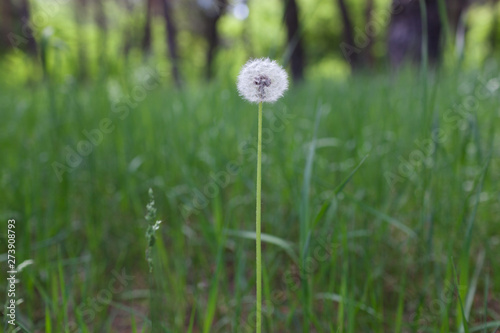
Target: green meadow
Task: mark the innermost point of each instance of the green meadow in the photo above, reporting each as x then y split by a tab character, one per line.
380	204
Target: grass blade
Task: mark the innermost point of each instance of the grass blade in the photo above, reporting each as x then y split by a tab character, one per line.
464	326
287	246
384	217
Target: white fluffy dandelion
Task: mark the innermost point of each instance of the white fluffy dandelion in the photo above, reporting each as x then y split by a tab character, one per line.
262	80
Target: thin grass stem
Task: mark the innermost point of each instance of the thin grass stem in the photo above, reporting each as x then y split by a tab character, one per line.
258	225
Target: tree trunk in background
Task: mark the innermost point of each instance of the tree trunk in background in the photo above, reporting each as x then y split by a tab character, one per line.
493	34
458	26
212	35
146	38
406	33
81	13
100	15
128	32
369	59
455	8
348	46
294	49
15	29
25	15
101	21
171	32
7	26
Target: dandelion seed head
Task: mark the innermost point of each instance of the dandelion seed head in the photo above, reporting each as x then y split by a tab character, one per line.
262	80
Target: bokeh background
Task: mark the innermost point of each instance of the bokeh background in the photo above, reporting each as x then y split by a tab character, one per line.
208	39
381	169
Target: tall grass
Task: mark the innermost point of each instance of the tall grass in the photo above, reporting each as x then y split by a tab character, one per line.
388	243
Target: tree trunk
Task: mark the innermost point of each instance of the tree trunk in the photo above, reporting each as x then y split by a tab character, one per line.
100	15
171	32
493	34
128	33
406	31
81	13
455	8
294	49
25	14
101	21
369	59
146	38
349	50
212	34
15	30
6	26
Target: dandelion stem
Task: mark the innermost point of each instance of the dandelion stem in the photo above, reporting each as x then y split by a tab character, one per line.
258	223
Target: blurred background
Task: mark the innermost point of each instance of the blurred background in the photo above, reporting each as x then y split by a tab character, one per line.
203	39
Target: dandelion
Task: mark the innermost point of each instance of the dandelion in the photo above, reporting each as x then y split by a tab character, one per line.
261	80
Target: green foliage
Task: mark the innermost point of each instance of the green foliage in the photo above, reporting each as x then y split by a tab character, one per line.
79	158
79	48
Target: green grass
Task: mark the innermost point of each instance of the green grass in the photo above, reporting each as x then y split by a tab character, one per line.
365	221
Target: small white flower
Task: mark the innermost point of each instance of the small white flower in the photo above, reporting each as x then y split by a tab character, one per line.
262	80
